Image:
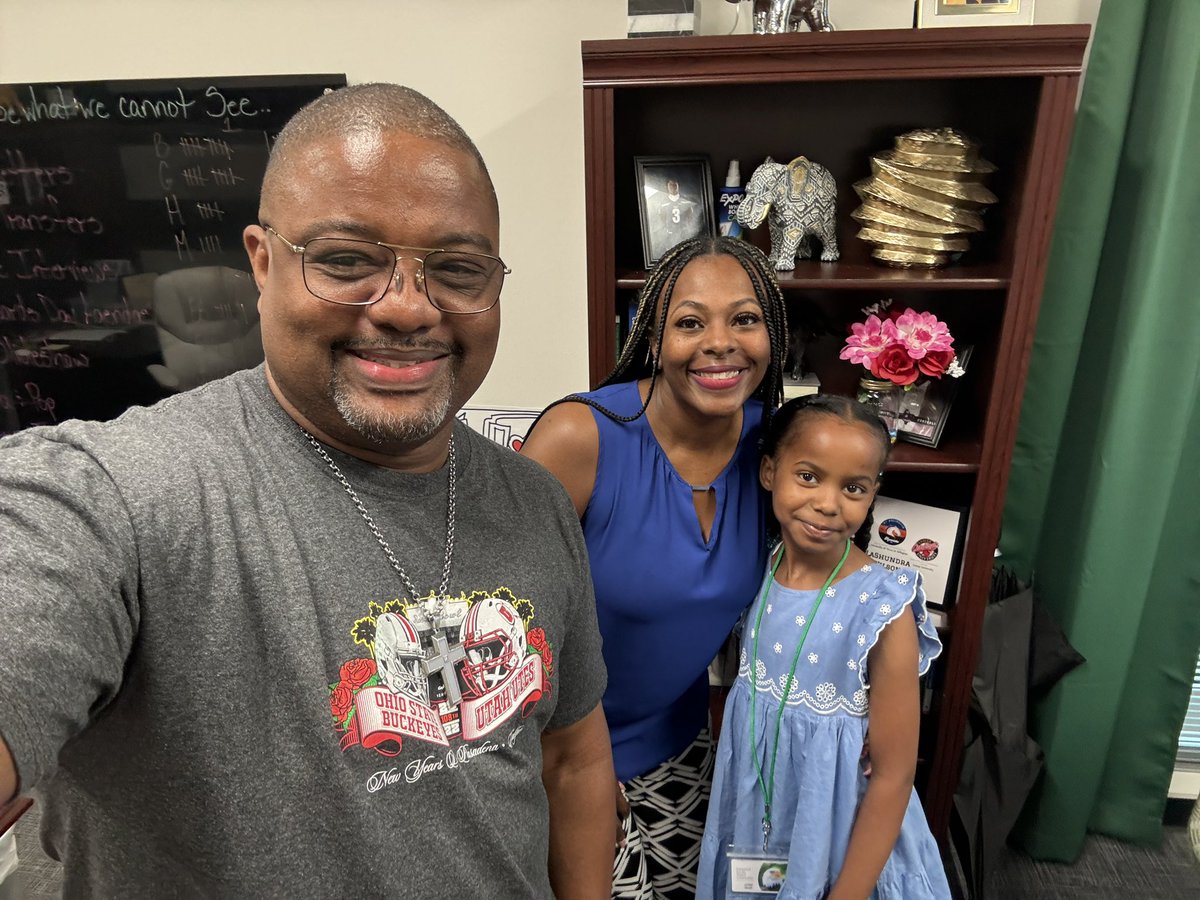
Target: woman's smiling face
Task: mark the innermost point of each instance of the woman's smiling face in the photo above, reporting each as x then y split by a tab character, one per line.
715	347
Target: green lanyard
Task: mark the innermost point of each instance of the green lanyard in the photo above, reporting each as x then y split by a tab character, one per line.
769	789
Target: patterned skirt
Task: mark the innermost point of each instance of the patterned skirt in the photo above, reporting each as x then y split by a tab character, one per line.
668	806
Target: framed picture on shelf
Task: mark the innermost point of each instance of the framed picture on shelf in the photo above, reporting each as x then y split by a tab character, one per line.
923	411
952	13
928	539
675	202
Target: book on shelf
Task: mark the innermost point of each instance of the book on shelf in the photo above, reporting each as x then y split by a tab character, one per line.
800	387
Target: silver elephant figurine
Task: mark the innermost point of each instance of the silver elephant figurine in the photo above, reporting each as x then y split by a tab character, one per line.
780	16
799	202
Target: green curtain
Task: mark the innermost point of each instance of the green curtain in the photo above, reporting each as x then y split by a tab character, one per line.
1103	506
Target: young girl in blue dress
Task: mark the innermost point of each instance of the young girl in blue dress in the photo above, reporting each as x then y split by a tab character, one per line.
833	646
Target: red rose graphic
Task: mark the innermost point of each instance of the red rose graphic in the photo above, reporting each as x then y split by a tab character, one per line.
895	365
537	640
356	672
341	698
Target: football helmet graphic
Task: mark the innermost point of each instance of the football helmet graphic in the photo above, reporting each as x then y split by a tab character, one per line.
399	657
494	637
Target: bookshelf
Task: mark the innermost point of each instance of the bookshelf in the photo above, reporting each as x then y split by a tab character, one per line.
837	98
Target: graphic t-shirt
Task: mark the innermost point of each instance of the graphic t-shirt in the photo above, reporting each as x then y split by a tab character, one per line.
216	678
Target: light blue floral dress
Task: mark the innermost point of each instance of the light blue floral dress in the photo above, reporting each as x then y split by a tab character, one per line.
819	780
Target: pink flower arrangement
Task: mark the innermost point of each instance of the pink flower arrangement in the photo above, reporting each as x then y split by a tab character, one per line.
900	347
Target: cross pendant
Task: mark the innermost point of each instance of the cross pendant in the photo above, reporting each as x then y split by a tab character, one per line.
441	659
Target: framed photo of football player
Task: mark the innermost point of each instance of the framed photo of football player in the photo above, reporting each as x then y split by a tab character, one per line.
675	200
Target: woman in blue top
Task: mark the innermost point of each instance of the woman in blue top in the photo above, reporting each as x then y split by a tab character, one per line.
835	643
662	464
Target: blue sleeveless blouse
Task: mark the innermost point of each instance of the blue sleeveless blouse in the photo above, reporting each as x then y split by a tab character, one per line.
666	598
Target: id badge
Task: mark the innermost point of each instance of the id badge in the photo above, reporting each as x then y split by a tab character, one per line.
753	872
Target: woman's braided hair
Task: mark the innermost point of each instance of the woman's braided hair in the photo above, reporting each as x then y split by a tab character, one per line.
644	343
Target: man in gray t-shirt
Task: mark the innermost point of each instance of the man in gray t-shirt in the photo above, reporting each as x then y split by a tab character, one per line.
297	632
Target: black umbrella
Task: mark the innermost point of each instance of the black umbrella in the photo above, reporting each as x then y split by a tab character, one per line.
1001	762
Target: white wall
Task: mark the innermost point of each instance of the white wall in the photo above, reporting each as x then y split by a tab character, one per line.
1066	12
508	70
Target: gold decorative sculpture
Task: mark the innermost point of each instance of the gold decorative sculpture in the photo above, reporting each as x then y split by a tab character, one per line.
924	198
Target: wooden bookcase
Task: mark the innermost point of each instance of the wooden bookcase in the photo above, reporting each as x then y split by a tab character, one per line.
837	98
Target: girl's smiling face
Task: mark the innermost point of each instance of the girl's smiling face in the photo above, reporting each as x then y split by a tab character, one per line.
823	478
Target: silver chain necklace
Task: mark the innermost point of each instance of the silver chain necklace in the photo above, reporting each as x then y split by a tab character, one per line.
387	550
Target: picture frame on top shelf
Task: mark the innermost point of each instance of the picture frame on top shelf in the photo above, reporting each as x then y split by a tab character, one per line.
958	13
925	408
675	202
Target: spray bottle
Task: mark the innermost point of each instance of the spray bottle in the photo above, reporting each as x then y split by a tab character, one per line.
728	200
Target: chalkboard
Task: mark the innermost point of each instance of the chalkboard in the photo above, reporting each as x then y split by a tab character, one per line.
122	273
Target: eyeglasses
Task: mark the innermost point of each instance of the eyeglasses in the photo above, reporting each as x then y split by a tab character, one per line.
358	273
